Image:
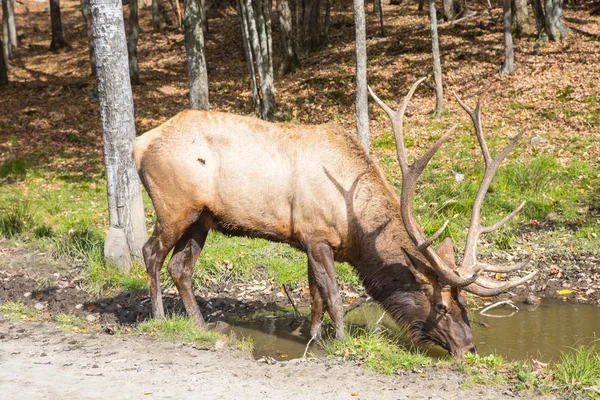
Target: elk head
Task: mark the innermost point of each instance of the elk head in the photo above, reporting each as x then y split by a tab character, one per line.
437	312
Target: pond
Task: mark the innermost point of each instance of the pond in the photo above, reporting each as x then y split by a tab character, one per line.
539	332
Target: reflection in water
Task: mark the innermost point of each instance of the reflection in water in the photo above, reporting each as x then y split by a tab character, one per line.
540	332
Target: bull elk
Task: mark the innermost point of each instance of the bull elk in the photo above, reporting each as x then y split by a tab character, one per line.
317	190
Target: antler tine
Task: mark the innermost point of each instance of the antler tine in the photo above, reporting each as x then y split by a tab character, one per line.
410	174
476	118
502	268
487	287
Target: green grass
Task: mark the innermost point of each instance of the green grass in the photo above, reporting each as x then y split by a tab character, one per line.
376	351
12	310
578	371
181	329
69	323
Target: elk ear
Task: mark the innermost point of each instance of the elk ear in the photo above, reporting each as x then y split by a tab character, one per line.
412	263
446	252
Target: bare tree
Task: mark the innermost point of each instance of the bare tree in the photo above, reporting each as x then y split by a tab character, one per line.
326	23
451	9
87	16
437	64
509	53
155	15
377	9
255	21
132	41
6	47
311	24
290	57
127	232
58	40
3	69
362	110
195	54
548	19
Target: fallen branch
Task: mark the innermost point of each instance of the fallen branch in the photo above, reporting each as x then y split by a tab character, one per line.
500	303
298	313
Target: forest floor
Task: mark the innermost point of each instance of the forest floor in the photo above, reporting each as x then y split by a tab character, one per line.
53	202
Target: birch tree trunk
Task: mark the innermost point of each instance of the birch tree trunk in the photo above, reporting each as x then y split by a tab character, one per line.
509	53
362	110
132	41
3	69
58	41
155	15
87	17
437	65
195	56
290	58
127	232
255	20
6	47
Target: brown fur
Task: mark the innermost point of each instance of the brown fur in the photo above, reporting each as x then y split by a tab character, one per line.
312	187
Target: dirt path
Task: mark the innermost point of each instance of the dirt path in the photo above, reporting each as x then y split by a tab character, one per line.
36	361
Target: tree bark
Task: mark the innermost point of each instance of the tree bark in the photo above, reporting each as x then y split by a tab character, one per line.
437	65
548	18
7	47
255	19
58	41
509	53
125	208
290	59
520	18
12	26
195	56
379	6
87	17
450	9
362	110
155	15
326	23
310	25
132	41
3	69
421	5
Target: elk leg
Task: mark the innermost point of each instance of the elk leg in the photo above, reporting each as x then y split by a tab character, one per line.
155	251
316	306
320	263
181	269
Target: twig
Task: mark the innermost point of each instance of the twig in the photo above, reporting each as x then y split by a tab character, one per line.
354	307
380	318
313	338
507	302
298	313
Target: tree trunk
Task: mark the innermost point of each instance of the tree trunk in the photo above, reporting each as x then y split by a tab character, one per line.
437	65
326	23
310	25
127	232
132	41
3	69
290	59
362	107
509	53
380	18
255	19
450	9
155	15
58	41
548	18
520	18
7	47
195	56
87	17
421	5
12	26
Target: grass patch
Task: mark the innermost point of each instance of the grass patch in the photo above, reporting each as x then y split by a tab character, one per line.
15	219
12	310
578	372
69	323
181	329
376	351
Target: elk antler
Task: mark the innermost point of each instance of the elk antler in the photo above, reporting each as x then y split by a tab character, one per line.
467	275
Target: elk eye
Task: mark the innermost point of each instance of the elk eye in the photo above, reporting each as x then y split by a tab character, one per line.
442	309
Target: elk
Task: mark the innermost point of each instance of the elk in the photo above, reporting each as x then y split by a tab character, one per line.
316	189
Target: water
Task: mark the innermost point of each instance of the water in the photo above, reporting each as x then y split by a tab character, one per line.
539	332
